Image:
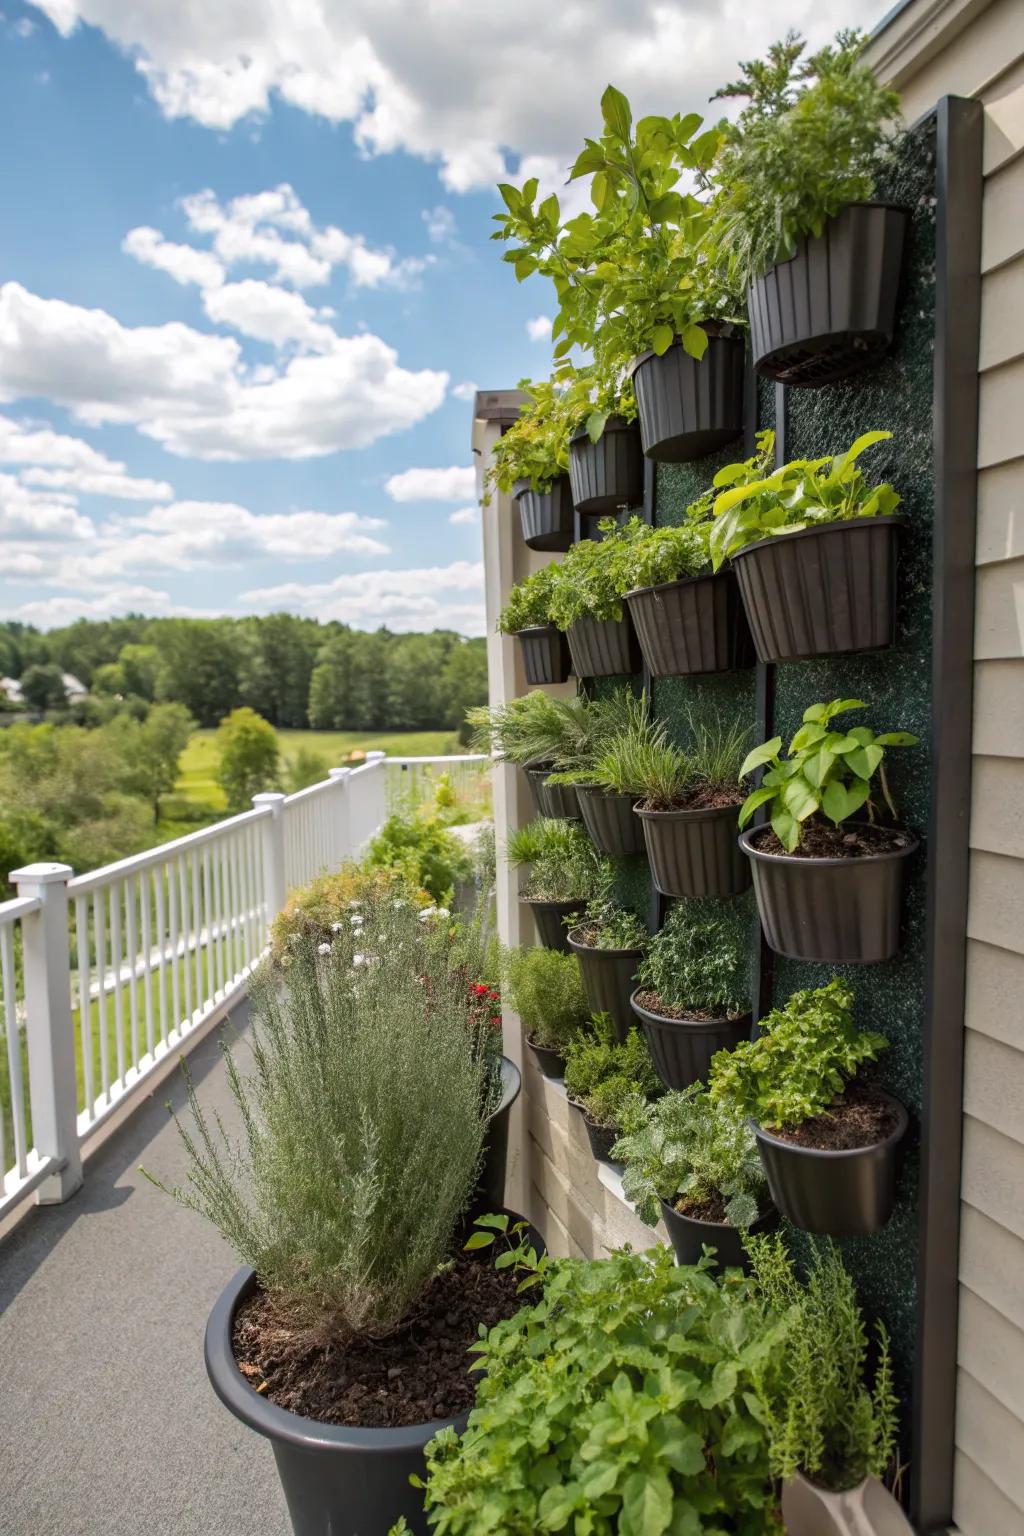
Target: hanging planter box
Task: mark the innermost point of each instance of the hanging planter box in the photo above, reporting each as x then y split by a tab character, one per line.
840	1193
545	653
869	1509
549	917
821	591
608	474
546	516
694	853
609	976
686	408
557	801
550	1061
841	911
693	625
610	821
688	1235
830	310
681	1049
604	647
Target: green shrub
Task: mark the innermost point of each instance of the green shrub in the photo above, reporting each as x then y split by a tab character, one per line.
564	865
626	1400
691	1148
545	988
593	575
362	1123
699	959
529	602
809	1051
318	910
609	1080
424	851
827	1421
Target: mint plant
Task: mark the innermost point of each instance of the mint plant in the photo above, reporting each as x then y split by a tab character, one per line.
698	960
802	494
825	771
809	1051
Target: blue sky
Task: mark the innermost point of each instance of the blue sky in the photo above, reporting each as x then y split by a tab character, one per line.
246	283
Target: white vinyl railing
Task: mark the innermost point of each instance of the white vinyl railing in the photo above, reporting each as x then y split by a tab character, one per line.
109	977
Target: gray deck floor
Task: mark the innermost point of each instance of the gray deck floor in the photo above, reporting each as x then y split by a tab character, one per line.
108	1426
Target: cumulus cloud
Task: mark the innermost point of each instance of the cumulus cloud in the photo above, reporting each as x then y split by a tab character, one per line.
271	314
48	612
191	392
466	390
465	515
446	83
452	484
440	222
87	483
184	263
29	513
539	329
450	596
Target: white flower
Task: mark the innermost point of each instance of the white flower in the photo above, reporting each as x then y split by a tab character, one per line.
427	914
355	905
357	961
356	920
336	927
442	912
323	949
399	903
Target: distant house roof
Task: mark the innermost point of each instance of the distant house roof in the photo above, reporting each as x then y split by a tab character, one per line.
72	687
12	688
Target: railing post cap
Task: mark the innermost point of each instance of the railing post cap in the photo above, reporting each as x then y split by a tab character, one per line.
40	874
269	797
375	756
338	773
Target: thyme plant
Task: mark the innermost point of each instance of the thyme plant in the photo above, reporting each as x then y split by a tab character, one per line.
546	990
699	959
610	1080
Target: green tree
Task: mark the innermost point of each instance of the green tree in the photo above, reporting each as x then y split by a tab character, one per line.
140	668
463	684
199	667
277	655
248	757
109	680
151	750
43	686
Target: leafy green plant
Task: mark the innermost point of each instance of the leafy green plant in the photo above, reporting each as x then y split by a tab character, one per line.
640	760
809	1051
564	865
609	1080
626	1400
830	1420
536	729
606	924
592	577
813	137
825	771
546	990
422	848
694	1152
369	1080
802	494
536	445
529	602
699	960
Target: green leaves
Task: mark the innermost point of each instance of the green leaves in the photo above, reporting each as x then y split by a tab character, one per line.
618	119
662	337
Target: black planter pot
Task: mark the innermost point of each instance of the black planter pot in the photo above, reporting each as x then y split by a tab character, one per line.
609	976
551	1063
610	821
604	647
681	1049
546	516
607	474
491	1185
694	853
554	800
337	1481
601	1137
821	591
688	1237
545	653
842	911
830	310
843	1194
693	625
688	408
550	919
590	524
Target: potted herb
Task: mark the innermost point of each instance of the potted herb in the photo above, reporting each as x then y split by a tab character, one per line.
834	1424
693	1162
606	459
527	615
688	617
545	989
343	1340
827	1138
606	806
693	992
530	462
828	887
567	1433
533	730
813	546
608	1080
586	603
562	874
609	944
791	206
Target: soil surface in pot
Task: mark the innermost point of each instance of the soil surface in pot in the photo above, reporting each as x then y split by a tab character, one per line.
861	1118
590	938
417	1374
709	797
819	840
711	1209
654	1004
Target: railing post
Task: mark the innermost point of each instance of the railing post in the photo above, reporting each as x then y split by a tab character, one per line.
380	797
275	886
342	830
49	1029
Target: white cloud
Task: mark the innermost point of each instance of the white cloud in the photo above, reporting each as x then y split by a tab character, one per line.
451	82
63	463
86	483
48	612
450	597
466	390
184	263
27	513
440	222
191	392
242	233
465	515
539	329
270	314
452	484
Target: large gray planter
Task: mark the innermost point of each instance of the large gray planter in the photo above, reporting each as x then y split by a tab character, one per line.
546	516
693	625
604	647
609	976
694	853
610	822
682	1049
545	653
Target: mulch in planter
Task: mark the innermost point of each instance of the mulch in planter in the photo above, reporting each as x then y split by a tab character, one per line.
415	1375
861	1118
822	840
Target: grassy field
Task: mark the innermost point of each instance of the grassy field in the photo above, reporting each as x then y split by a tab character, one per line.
198	783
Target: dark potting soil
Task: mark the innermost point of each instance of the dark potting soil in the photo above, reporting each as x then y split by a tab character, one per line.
709	797
711	1209
859	1119
654	1004
820	840
589	936
420	1373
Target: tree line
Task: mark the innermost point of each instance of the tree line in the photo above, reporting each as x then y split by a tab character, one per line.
296	673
